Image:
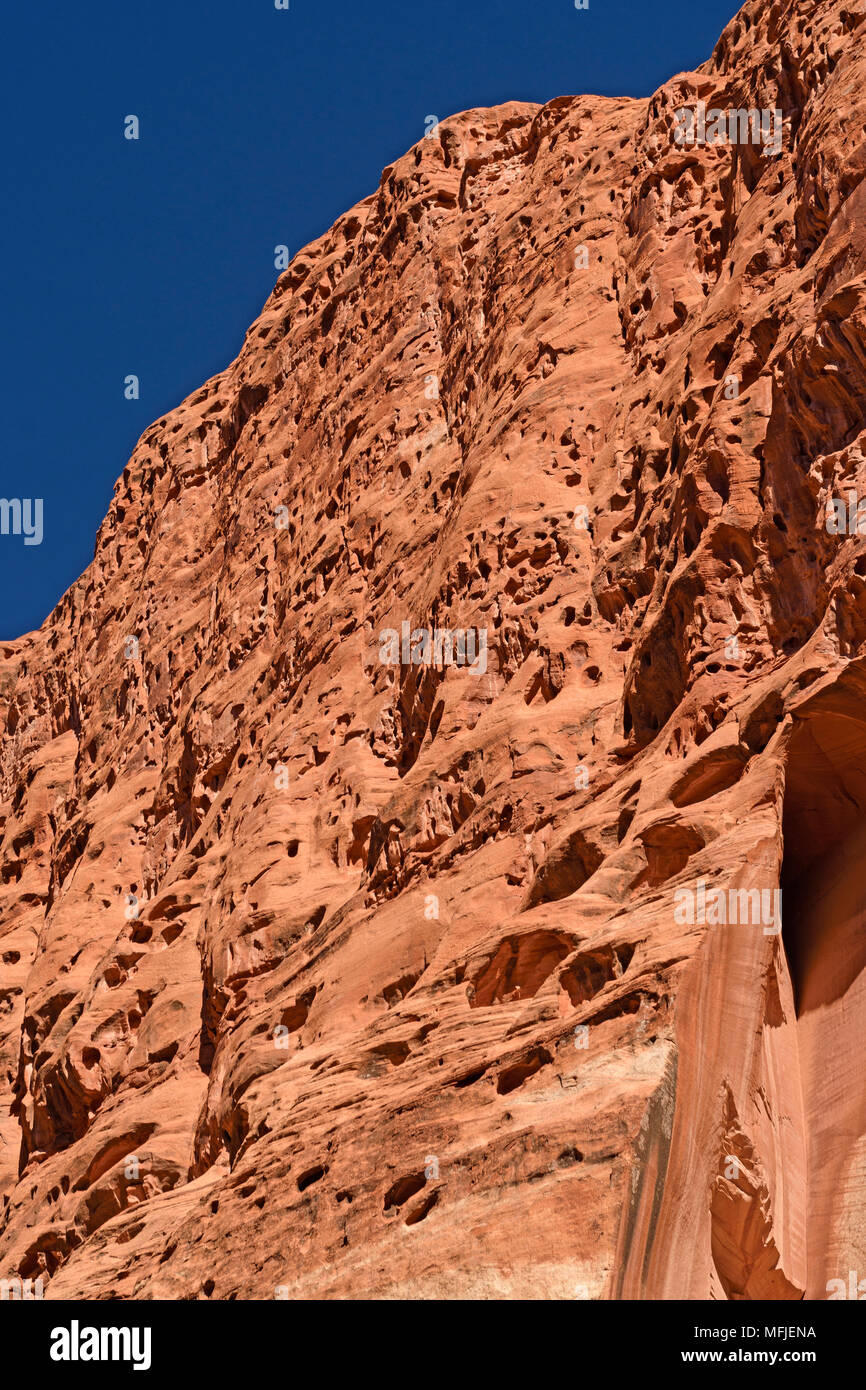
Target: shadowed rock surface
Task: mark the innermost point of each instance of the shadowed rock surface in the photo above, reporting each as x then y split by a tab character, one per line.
351	979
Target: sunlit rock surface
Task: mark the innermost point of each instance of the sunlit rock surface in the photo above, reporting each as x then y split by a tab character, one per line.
324	976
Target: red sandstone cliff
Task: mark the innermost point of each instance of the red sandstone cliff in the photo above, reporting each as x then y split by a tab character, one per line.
354	979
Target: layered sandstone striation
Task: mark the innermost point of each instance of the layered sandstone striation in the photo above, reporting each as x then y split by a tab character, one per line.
341	978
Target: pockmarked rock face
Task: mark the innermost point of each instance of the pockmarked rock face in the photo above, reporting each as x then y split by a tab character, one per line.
433	826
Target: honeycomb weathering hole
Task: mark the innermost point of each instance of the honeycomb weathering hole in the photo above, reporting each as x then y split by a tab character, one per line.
519	967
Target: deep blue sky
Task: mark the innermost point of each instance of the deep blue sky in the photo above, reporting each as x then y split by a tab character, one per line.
258	127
